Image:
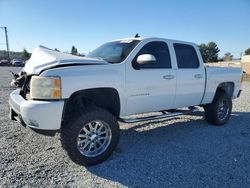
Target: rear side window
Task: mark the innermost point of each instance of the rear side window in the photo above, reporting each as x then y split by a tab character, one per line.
160	51
186	56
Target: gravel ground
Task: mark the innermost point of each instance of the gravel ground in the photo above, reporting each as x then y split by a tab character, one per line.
182	152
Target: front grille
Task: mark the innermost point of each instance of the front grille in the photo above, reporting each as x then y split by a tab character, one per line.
25	90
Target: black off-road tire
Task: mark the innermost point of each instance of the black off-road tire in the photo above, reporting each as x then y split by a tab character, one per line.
71	129
211	110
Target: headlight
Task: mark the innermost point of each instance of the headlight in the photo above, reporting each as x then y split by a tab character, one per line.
45	87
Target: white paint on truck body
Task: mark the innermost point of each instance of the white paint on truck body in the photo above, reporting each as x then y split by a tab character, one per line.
140	91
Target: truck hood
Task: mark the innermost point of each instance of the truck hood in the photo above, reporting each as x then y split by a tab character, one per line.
45	58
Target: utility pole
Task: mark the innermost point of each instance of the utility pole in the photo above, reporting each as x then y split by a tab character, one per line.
7	41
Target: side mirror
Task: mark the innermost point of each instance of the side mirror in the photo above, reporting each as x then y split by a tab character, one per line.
146	59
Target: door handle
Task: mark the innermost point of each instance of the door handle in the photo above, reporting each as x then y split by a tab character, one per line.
168	77
198	76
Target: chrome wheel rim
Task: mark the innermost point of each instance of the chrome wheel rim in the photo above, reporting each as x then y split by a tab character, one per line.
223	110
94	138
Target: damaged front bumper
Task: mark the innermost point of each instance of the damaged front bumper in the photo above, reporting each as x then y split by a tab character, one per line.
41	116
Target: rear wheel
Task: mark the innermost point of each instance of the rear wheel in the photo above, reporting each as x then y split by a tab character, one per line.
219	111
90	137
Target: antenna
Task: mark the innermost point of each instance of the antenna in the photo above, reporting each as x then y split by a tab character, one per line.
137	35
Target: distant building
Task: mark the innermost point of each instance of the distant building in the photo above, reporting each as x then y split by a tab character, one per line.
245	63
245	59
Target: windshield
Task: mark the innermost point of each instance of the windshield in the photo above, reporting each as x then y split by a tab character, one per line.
114	52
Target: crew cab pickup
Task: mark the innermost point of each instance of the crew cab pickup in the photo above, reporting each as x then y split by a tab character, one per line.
84	98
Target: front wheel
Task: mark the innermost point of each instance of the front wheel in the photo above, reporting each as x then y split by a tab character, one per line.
90	137
219	111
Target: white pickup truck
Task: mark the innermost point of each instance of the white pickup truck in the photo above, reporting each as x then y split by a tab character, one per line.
85	97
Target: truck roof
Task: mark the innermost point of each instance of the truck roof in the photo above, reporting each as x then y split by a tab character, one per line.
153	38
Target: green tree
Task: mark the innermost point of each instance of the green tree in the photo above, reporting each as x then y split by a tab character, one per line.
247	51
209	52
213	52
204	52
25	54
74	50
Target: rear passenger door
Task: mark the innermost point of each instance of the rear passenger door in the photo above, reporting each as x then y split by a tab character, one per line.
151	87
190	76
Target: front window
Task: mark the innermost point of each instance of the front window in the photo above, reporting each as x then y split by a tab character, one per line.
114	52
161	53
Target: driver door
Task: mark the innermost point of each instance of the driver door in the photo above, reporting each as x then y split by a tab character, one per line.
151	87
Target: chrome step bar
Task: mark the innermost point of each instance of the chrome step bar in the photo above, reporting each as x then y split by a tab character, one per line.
165	114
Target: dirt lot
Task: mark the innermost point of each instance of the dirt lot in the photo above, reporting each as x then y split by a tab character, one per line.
182	152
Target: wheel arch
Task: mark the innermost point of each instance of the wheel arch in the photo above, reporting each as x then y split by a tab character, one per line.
226	87
105	97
